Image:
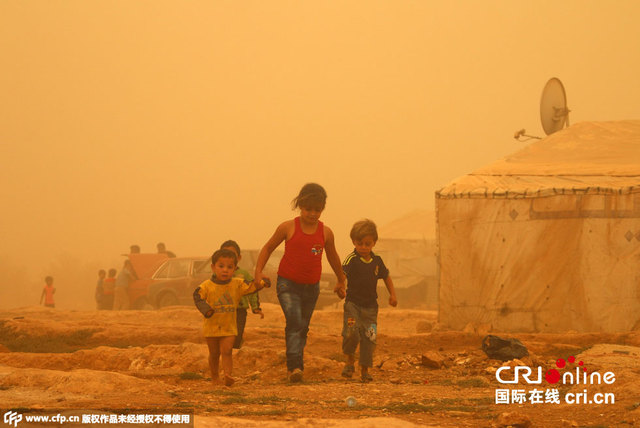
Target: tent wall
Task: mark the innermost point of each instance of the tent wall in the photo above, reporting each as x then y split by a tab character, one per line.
541	264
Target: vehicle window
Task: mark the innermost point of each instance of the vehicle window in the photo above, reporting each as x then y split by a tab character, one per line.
173	269
201	266
179	268
163	272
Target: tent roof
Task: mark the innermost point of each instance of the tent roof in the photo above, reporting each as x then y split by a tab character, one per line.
587	157
416	225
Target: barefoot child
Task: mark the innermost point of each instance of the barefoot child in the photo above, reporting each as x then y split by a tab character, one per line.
306	238
217	298
363	269
249	300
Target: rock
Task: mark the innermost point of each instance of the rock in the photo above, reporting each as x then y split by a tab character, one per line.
513	363
424	327
566	423
395	380
490	370
433	360
513	419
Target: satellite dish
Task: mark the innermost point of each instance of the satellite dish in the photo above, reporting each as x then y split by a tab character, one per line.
553	107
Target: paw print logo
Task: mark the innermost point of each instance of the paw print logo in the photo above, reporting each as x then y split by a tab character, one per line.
316	250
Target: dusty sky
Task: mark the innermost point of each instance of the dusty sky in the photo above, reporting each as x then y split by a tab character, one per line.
193	122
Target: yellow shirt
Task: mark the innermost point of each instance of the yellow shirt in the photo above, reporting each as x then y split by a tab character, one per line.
224	299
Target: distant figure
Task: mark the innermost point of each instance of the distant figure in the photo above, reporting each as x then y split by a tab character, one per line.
108	290
102	274
306	238
363	268
217	299
134	249
124	278
163	250
47	293
247	300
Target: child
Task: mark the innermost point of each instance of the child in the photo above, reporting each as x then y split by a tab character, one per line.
108	290
363	269
47	293
100	288
217	298
252	299
306	238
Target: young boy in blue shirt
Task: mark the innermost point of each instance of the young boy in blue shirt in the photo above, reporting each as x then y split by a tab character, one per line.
362	268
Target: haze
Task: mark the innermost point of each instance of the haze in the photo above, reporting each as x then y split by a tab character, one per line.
194	122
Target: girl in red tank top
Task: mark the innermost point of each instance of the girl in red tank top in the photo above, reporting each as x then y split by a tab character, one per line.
306	239
302	260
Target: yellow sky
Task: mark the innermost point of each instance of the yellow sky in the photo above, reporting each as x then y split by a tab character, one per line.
193	122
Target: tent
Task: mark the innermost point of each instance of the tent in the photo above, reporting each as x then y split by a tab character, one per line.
547	239
407	246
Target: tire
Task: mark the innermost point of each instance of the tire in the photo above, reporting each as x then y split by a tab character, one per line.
167	299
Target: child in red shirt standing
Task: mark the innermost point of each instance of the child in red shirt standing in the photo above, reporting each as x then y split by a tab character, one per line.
47	293
306	238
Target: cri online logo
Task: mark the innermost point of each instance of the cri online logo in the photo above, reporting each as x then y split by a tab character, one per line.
553	376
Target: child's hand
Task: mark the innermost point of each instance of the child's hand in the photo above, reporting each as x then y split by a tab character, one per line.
339	289
258	311
267	282
393	301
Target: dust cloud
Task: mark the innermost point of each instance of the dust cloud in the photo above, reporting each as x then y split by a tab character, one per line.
133	123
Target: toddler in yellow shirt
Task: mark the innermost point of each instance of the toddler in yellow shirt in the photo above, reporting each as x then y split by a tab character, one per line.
217	299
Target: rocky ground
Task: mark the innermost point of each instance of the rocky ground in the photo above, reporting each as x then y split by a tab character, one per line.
156	361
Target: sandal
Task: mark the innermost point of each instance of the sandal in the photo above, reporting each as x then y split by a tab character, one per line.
348	370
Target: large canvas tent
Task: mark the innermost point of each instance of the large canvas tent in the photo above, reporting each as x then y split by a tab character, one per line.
407	246
547	239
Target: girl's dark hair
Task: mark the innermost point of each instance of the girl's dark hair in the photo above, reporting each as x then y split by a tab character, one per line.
311	195
224	253
231	243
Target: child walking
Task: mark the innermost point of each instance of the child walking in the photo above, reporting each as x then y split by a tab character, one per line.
306	238
363	268
217	299
249	300
47	293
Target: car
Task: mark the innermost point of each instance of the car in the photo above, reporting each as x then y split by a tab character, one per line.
174	282
144	265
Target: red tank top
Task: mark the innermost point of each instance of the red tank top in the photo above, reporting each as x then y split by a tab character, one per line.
302	260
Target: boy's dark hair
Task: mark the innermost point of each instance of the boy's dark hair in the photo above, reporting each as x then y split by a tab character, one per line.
364	228
102	272
48	279
231	243
224	253
311	195
112	272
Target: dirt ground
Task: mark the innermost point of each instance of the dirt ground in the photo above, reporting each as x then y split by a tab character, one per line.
157	361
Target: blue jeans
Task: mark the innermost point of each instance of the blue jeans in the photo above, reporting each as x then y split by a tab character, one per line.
298	302
360	328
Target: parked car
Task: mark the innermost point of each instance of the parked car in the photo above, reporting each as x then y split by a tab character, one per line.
144	265
174	282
